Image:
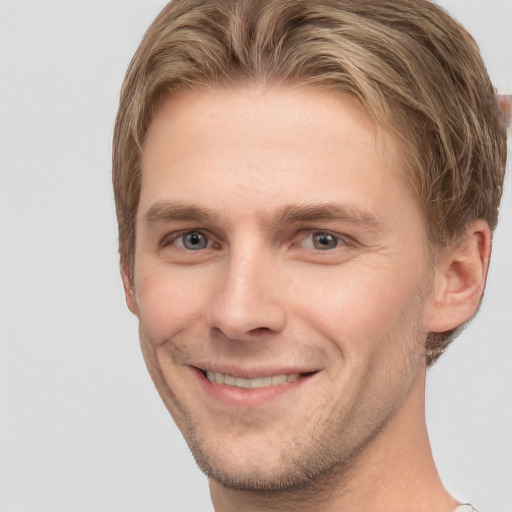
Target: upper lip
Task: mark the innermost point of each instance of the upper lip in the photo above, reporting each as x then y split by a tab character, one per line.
254	373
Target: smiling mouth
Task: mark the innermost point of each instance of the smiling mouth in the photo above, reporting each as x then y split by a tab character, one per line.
260	382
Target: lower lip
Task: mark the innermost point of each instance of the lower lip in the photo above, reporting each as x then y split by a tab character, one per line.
243	397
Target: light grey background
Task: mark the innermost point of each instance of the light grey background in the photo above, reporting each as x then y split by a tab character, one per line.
81	427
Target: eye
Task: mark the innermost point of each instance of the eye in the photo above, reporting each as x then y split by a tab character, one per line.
192	241
321	241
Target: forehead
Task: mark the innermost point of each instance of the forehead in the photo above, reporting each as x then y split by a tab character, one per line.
265	148
264	116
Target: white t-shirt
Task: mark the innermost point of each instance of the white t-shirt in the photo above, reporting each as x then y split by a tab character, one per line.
466	507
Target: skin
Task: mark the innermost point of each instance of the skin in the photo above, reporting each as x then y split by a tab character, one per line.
275	236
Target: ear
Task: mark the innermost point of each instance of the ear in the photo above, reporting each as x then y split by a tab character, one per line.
459	282
129	290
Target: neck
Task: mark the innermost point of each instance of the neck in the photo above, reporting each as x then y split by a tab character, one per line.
394	473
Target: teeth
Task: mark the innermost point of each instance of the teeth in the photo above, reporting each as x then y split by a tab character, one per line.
278	379
229	380
261	382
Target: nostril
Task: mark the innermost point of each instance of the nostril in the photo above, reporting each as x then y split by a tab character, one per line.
260	330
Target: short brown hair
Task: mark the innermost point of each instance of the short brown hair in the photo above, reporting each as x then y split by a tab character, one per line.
414	69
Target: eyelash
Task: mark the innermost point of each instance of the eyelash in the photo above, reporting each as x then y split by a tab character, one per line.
172	238
306	234
342	241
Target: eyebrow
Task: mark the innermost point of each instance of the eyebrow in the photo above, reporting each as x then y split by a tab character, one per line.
164	211
325	212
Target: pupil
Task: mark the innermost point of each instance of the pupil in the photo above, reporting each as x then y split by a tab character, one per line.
325	241
195	241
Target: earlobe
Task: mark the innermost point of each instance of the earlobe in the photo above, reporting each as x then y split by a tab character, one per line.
459	282
129	292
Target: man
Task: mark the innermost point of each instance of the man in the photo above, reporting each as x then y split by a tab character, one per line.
306	192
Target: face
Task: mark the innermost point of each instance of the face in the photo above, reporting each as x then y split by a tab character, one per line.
279	280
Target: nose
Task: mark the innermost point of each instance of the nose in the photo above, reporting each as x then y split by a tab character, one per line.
247	301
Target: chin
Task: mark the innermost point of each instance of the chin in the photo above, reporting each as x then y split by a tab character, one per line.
259	480
287	468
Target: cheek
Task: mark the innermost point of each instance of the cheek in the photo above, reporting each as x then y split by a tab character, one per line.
360	305
168	301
